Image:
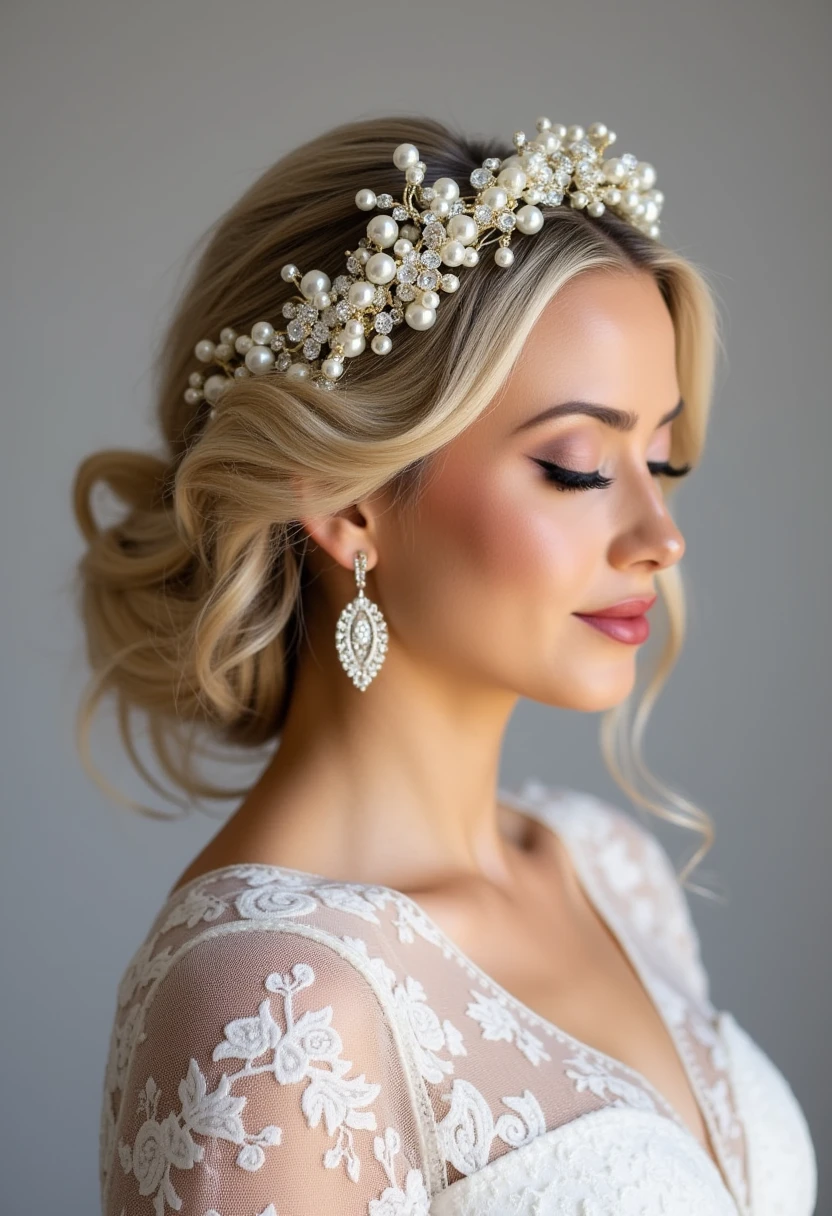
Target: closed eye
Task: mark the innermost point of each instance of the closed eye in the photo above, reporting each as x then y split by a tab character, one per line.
570	479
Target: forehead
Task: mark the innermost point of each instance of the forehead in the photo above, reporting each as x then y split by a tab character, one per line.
607	336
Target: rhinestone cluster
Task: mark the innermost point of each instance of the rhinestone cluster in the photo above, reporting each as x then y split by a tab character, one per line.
405	263
361	633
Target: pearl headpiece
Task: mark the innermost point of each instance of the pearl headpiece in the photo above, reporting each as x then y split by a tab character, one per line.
396	273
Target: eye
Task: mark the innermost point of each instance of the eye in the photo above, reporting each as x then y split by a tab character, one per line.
569	479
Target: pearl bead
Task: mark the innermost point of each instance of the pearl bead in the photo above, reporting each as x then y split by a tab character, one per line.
204	351
614	170
333	368
314	281
430	299
494	197
243	344
259	359
450	282
574	133
262	333
513	179
383	230
414	175
651	211
503	256
195	379
214	387
405	155
410	232
613	196
597	130
192	396
418	317
529	219
646	173
447	188
471	258
631	200
595	208
463	228
381	344
365	200
241	372
228	335
321	300
354	346
361	294
452	253
298	371
440	207
380	268
402	246
223	352
543	124
289	272
532	195
579	199
362	255
354	328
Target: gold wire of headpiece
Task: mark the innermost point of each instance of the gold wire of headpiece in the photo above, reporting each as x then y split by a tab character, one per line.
430	227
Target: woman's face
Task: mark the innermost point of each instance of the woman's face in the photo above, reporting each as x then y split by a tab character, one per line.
482	579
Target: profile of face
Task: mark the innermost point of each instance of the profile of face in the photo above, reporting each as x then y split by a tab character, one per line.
480	581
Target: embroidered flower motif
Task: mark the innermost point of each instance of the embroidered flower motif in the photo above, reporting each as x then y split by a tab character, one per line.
198	905
593	1074
273	899
467	1130
413	1200
296	1052
498	1022
431	1036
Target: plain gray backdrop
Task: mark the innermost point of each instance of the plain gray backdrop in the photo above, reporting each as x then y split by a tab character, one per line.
126	130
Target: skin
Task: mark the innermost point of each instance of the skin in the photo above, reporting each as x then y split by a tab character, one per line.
479	584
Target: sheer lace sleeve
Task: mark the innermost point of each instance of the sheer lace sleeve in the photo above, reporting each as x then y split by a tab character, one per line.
261	1076
659	903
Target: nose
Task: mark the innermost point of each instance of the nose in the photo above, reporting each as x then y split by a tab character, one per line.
650	535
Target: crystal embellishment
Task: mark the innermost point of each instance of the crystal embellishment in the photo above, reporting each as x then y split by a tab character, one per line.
361	633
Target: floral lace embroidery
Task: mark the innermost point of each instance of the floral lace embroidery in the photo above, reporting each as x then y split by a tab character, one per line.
498	1022
413	1200
294	1050
467	1130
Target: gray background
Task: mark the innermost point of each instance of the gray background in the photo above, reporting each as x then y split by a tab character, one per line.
127	128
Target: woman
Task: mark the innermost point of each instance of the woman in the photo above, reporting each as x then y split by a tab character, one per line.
386	985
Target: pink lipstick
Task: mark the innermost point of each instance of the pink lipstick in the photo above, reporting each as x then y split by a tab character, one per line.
625	621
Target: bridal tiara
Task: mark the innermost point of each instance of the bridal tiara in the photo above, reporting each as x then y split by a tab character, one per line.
396	273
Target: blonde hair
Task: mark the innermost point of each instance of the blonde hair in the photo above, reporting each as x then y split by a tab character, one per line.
192	600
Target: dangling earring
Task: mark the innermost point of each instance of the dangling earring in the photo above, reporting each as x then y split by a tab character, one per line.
361	633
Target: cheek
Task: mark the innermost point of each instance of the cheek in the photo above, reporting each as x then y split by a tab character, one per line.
507	549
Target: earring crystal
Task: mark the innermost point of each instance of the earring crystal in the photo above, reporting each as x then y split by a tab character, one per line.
361	633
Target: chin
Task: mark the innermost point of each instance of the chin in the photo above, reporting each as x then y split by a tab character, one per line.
592	689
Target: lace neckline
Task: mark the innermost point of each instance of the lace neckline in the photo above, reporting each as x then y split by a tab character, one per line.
553	815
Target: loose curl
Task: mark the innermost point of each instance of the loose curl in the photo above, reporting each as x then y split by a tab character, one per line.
192	601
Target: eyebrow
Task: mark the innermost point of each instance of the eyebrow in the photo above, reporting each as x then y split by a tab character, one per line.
619	420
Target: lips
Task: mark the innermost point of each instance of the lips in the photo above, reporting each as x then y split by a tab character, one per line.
625	621
625	608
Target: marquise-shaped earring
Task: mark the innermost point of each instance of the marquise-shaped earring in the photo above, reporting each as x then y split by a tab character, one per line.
361	633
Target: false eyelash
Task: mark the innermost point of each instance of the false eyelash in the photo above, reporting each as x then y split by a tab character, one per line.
569	479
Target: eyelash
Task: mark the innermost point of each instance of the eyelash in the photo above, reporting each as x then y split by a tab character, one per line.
569	479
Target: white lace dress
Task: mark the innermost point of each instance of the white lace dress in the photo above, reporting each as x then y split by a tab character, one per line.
286	1045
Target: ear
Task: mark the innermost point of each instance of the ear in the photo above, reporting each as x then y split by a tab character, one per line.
346	532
